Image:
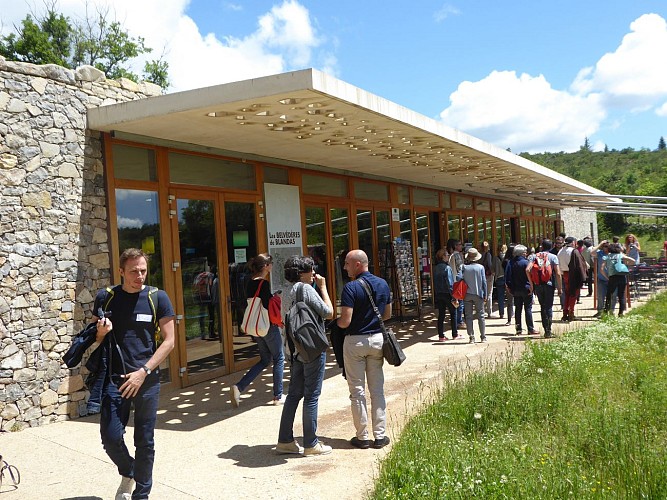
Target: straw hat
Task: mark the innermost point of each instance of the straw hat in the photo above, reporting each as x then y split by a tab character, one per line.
473	255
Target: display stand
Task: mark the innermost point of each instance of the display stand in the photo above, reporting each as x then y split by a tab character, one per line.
398	267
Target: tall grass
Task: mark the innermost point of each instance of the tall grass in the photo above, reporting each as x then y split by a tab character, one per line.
584	416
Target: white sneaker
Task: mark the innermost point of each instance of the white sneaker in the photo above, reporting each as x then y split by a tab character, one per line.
124	491
278	401
236	396
289	448
318	449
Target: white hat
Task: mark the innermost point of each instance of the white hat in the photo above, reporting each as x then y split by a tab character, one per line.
473	255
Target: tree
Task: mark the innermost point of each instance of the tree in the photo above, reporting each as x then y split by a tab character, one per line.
586	146
52	38
661	144
45	40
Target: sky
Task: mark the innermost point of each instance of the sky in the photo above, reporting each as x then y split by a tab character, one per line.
531	76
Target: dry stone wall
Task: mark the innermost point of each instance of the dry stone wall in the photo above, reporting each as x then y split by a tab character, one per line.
54	252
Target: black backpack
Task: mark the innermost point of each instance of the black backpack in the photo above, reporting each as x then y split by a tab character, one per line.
305	329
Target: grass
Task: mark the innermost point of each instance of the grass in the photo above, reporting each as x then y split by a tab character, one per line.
581	417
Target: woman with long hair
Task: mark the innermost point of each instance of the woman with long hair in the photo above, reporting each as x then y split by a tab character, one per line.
632	248
271	345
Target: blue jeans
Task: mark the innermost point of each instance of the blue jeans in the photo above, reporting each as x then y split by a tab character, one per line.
270	348
305	383
545	295
603	285
115	413
523	300
500	291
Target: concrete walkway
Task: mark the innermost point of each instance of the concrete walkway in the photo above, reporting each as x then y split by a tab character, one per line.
207	449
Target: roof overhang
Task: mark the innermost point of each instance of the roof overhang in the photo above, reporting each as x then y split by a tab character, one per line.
313	120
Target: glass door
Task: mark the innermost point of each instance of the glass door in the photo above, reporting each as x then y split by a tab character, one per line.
213	240
195	218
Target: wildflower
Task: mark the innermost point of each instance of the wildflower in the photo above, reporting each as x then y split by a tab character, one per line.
540	370
503	479
477	415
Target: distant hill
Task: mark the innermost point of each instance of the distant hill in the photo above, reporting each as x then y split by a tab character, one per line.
627	171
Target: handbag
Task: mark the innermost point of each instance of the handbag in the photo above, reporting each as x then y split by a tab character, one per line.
391	349
459	290
275	309
256	317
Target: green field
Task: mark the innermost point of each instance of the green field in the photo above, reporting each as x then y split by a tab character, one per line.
584	416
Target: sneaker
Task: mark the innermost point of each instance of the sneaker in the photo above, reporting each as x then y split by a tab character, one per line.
483	339
363	444
547	335
509	323
292	448
597	314
565	318
278	401
124	491
442	339
381	443
533	332
318	449
236	396
519	332
471	340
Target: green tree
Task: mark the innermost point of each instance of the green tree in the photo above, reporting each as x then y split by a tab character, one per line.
661	144
586	146
43	40
52	38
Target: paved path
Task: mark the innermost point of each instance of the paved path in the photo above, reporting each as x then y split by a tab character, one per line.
208	449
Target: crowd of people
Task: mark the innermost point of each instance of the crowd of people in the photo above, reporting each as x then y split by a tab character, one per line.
143	333
508	282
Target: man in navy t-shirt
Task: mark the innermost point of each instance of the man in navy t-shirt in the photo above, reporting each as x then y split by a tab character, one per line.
362	348
132	378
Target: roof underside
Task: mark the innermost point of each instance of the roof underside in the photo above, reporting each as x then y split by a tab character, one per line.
312	119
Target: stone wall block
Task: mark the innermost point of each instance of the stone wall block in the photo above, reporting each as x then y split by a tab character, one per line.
41	199
15	361
89	74
9	411
48	398
24	375
71	384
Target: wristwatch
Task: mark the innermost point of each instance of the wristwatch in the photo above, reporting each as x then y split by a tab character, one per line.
146	369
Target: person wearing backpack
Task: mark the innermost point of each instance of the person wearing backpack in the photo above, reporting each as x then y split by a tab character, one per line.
306	377
544	275
362	349
131	379
616	268
518	282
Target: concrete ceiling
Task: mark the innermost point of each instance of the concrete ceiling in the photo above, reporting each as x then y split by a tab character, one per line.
314	120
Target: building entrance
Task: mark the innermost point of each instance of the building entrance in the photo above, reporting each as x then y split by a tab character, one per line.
213	238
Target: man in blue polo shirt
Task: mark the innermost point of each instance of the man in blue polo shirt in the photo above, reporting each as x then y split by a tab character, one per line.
362	349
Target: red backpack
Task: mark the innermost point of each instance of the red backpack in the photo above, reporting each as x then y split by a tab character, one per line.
541	270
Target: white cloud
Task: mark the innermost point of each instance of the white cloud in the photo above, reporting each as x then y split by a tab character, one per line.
126	222
662	110
634	76
444	12
523	113
285	39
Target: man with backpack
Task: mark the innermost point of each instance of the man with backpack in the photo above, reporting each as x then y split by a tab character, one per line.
131	377
544	275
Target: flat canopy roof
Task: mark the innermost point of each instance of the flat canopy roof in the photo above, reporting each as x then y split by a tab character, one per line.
316	121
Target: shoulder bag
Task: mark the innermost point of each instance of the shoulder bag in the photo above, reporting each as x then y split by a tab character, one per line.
391	349
256	317
459	290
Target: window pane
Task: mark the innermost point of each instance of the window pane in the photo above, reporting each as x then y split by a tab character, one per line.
316	239
383	232
325	186
446	200
453	227
365	235
340	231
425	197
463	202
132	163
483	205
507	207
274	175
203	171
371	191
403	195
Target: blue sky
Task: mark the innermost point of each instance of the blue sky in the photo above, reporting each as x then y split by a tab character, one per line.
525	75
